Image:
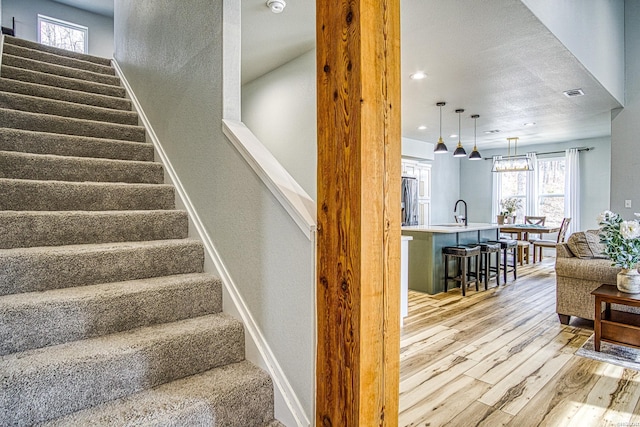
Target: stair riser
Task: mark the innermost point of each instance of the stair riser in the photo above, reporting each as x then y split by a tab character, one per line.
243	397
38	105
37	46
37	77
59	389
39	55
29	64
31	229
69	126
53	320
68	145
26	195
36	167
50	92
35	269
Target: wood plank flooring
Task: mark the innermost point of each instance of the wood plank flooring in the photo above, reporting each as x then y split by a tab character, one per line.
501	358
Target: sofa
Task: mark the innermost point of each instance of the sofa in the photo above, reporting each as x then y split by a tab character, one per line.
581	268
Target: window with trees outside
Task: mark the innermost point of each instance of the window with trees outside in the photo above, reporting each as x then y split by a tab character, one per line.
62	34
550	189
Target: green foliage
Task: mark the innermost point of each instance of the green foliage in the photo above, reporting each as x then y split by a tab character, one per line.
621	239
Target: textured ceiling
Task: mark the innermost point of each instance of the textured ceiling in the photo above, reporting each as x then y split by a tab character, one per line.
101	7
491	57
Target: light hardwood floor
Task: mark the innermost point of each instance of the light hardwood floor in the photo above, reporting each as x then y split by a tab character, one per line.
501	357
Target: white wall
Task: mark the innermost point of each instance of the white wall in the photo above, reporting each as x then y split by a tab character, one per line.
26	14
625	127
171	54
593	31
280	109
595	167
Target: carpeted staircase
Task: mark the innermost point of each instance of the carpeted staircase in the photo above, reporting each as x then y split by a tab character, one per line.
106	316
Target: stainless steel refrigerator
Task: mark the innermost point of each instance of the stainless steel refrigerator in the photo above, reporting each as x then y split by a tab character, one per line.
409	200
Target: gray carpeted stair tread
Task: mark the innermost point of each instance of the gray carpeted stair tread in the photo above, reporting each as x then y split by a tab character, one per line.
22	229
54	381
70	145
62	52
80	169
41	78
32	195
39	319
40	55
56	267
54	107
69	126
75	96
235	395
59	70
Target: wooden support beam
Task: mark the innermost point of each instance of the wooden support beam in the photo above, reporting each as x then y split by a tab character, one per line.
358	69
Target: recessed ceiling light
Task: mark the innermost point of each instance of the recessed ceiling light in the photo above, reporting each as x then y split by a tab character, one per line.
529	124
422	127
418	75
573	93
453	135
488	132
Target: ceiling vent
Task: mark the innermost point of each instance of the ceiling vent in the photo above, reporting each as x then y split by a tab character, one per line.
573	93
492	131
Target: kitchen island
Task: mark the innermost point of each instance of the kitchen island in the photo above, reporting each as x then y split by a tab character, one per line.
426	263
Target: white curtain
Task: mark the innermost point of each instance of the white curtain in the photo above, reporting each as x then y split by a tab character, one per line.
572	189
532	187
496	193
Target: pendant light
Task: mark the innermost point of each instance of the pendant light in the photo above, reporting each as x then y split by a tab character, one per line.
459	149
475	154
440	147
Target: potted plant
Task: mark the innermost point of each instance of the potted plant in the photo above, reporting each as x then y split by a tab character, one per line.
509	207
622	246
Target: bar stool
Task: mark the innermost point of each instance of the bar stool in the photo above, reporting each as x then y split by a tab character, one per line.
486	250
463	255
507	245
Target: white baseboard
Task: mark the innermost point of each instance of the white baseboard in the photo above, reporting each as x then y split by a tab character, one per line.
287	405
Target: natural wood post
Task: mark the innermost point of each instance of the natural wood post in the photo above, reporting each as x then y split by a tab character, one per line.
358	69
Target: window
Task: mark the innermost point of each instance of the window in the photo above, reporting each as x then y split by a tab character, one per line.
550	173
65	35
551	190
514	184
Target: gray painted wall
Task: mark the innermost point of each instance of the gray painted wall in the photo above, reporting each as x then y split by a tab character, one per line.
26	14
595	167
280	109
171	53
625	127
445	186
594	33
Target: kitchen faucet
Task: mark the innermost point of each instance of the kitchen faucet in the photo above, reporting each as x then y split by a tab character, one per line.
455	209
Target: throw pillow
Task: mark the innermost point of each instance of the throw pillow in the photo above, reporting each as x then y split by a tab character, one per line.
586	245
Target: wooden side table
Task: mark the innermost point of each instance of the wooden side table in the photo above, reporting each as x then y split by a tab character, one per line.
615	326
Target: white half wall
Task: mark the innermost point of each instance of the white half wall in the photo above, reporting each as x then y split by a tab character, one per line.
26	14
172	56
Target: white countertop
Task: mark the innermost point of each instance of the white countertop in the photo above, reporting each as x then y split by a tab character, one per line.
406	238
451	227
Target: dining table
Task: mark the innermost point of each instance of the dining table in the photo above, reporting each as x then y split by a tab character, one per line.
523	231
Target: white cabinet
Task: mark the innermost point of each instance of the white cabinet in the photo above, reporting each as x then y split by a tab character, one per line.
421	171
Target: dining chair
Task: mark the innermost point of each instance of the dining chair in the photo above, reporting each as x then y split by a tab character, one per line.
524	244
539	245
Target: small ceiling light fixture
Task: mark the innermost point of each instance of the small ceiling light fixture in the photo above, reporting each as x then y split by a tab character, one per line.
422	127
440	147
459	152
475	154
276	6
418	75
513	163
